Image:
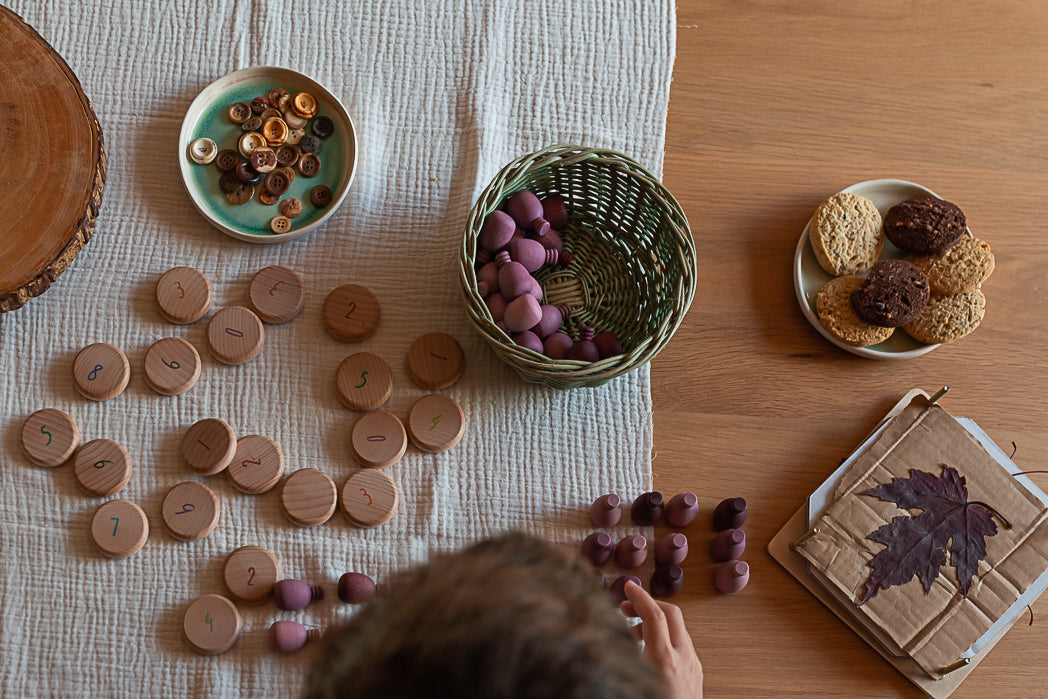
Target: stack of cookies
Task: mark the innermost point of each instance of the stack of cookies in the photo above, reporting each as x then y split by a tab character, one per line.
933	294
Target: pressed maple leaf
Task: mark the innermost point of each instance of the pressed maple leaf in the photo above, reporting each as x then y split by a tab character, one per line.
916	545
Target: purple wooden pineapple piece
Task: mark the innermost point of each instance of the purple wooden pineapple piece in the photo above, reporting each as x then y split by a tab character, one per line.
728	544
647	509
608	345
531	254
514	279
671	549
529	340
555	210
557	345
526	210
598	547
291	595
496	304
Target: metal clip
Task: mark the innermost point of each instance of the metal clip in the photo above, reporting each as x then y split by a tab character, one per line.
800	542
963	662
938	394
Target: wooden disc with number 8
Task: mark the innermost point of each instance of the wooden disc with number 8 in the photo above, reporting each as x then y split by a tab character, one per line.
190	511
172	366
101	372
250	573
102	467
257	465
119	528
211	624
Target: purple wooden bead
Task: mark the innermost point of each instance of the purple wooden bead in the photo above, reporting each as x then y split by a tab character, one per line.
514	280
531	254
598	547
529	340
550	322
647	509
288	636
290	595
355	588
618	587
682	509
667	581
584	351
496	304
732	576
728	544
526	209
730	513
552	241
536	290
631	551
497	231
671	549
489	276
608	345
606	511
556	346
555	210
522	313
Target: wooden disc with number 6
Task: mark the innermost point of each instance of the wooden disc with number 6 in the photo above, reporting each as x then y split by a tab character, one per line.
119	528
172	366
102	467
250	573
211	624
257	465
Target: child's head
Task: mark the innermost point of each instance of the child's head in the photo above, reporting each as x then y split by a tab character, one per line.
509	617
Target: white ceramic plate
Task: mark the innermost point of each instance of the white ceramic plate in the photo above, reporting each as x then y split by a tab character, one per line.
809	277
207	116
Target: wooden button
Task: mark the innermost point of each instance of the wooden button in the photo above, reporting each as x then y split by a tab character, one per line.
309	164
49	437
250	573
101	371
203	150
350	313
436	423
378	439
102	467
279	224
363	381
304	104
211	625
235	335
257	465
308	497
240	194
119	528
370	498
435	361
208	446
320	195
183	295
190	511
277	294
172	366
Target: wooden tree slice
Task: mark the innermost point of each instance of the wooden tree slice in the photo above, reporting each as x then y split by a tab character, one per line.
54	155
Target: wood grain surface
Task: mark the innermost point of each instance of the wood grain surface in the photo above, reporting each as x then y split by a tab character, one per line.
774	106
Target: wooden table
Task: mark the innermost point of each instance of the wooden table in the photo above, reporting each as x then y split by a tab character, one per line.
775	106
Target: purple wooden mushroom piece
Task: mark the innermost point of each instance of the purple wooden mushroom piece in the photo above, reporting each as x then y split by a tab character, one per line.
728	544
667	581
523	313
496	304
647	509
671	549
730	513
529	340
606	511
288	636
557	345
618	587
631	551
555	210
514	279
682	509
732	576
291	595
608	345
598	547
355	588
497	231
526	210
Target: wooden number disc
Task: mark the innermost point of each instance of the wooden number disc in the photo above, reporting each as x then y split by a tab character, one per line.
436	423
435	361
235	335
308	497
172	366
370	498
257	465
119	528
277	294
363	381
350	313
183	295
209	446
211	624
53	146
49	437
378	439
102	467
250	573
190	511
101	371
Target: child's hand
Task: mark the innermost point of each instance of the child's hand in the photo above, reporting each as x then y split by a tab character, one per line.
666	642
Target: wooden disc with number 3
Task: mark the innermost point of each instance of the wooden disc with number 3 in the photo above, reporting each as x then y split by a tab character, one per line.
370	498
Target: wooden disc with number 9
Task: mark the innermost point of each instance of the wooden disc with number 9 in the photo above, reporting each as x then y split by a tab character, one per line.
172	366
211	624
250	573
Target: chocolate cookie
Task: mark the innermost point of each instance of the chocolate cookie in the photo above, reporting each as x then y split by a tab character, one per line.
924	226
833	305
894	293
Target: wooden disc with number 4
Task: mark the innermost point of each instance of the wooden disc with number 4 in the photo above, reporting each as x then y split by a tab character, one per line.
190	511
49	437
435	423
250	573
370	498
257	465
102	467
211	624
172	366
378	439
119	528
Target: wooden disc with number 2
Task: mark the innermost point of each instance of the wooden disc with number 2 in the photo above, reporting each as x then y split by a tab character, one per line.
257	465
250	573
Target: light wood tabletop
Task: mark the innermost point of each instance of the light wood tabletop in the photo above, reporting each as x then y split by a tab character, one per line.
775	106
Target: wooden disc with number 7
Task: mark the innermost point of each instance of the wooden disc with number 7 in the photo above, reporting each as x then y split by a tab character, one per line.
250	573
172	366
119	528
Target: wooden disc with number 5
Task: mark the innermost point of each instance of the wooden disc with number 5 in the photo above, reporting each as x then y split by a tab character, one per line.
250	573
172	366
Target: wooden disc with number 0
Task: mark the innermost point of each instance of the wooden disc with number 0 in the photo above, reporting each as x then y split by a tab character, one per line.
235	335
190	511
257	465
183	295
209	446
250	573
350	313
101	371
277	294
309	497
211	624
378	439
119	528
363	381
370	498
435	423
435	361
49	437
172	366
102	467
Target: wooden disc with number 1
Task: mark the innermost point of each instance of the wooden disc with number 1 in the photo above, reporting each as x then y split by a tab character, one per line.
435	361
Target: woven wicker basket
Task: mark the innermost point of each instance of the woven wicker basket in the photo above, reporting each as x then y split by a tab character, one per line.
634	260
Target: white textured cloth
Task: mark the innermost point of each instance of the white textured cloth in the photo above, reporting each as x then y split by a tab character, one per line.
443	94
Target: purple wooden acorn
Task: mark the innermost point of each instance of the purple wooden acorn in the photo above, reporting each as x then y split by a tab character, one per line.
488	276
497	231
529	340
557	345
550	322
606	511
631	551
496	304
671	549
608	345
522	313
514	279
536	290
291	595
728	544
555	210
730	513
681	510
288	636
355	588
732	576
618	587
584	351
647	509
552	241
598	547
531	254
667	581
526	210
